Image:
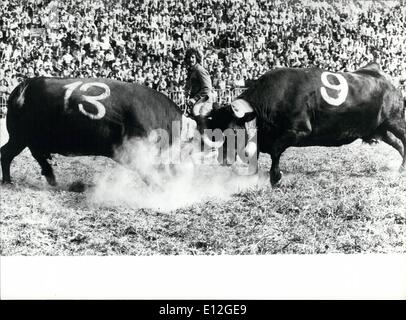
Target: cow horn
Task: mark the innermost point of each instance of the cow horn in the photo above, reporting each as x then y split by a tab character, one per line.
212	144
240	107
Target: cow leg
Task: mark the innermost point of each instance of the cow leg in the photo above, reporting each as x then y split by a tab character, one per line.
290	138
389	139
398	128
275	174
46	169
8	152
277	149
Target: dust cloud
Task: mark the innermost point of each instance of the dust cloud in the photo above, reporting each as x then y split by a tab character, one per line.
166	179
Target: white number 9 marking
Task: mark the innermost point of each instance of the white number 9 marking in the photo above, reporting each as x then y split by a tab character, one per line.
341	88
94	100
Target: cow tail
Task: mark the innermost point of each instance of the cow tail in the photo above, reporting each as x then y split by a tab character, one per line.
15	105
16	100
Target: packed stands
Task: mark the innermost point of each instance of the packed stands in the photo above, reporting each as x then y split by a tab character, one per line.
144	41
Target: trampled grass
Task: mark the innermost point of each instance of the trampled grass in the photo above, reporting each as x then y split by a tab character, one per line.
349	199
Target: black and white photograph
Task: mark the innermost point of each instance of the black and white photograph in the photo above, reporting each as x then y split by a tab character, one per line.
180	129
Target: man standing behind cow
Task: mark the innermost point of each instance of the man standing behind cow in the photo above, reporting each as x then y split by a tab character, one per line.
199	95
198	84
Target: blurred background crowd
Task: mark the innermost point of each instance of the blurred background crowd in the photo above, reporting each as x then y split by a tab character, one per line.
145	41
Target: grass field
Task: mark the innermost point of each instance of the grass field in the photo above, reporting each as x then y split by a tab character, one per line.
331	200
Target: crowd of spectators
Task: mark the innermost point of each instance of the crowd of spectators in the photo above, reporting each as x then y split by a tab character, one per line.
145	41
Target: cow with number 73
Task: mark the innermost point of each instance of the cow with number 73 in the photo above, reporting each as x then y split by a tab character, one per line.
315	107
71	116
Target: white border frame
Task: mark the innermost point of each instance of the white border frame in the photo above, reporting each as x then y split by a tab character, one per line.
372	276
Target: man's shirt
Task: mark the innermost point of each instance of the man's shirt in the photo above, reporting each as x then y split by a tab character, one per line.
199	83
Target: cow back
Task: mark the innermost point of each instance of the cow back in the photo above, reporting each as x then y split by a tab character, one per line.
87	116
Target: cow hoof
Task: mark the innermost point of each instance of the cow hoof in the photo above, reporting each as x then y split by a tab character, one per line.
6	182
276	180
51	181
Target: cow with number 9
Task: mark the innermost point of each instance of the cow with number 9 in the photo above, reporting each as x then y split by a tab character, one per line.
314	107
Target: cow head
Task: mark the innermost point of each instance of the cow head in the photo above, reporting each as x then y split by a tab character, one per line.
244	111
206	124
237	121
198	140
230	129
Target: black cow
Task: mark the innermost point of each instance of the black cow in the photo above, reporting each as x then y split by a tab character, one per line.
314	107
82	117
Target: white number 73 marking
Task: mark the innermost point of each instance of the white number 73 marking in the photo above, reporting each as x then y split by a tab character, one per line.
341	88
94	100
